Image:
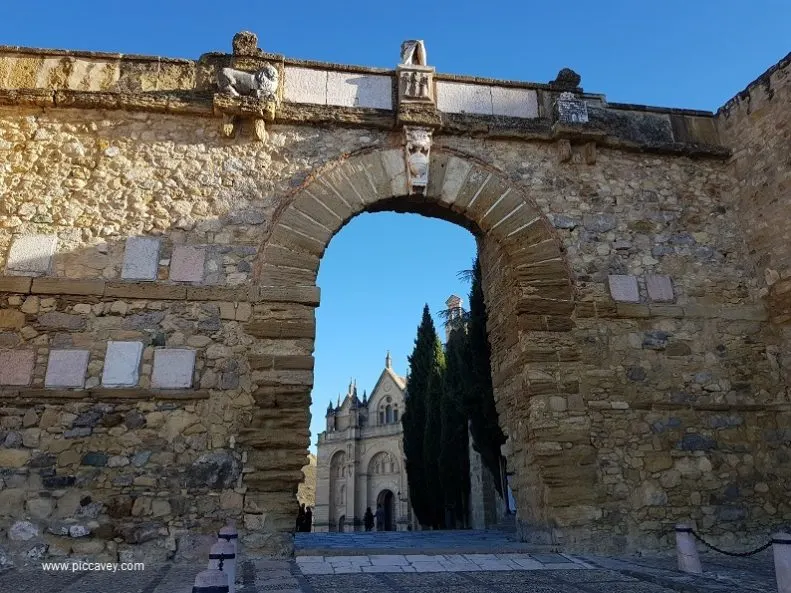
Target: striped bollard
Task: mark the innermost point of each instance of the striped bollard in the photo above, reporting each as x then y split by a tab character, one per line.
230	534
222	557
686	550
781	549
211	581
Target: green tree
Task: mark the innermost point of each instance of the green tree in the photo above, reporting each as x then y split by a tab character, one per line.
432	437
421	364
485	428
454	460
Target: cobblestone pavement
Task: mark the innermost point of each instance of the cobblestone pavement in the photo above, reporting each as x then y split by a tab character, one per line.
435	563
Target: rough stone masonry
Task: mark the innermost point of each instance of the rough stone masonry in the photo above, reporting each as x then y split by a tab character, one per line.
160	236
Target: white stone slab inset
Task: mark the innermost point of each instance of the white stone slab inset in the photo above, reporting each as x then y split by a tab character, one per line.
173	368
187	263
660	288
624	289
66	368
305	85
141	258
460	97
31	255
122	364
359	90
513	102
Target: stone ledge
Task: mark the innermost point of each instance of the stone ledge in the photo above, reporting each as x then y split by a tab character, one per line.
669	406
99	394
610	309
128	289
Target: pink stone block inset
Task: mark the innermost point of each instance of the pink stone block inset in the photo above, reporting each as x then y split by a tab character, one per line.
66	368
624	289
16	367
186	264
660	288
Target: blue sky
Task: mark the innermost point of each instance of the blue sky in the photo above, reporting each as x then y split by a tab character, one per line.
381	268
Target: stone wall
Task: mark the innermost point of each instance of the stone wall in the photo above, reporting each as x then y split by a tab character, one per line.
634	365
757	124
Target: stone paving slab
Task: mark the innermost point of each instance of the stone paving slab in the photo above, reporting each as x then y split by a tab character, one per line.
397	563
264	575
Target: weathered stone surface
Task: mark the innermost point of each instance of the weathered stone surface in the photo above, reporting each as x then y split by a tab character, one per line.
456	97
173	369
187	263
31	254
22	531
57	320
216	470
624	288
11	319
356	90
66	368
660	288
16	367
141	258
305	85
122	364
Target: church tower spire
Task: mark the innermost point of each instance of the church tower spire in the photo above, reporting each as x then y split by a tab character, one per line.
388	361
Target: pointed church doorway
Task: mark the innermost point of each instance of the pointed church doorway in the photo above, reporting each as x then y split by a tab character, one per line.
342	524
386	499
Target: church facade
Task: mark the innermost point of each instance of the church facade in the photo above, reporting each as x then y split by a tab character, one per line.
361	460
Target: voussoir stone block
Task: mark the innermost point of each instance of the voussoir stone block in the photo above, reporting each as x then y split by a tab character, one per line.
31	255
16	367
187	263
66	368
660	288
122	364
173	368
624	289
141	258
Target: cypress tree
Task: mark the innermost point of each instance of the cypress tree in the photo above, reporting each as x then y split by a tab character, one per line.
432	444
485	428
414	417
454	460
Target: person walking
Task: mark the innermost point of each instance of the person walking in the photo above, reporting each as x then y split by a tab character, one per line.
307	523
380	518
368	519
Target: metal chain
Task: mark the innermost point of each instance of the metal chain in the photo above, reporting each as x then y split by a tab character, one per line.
739	554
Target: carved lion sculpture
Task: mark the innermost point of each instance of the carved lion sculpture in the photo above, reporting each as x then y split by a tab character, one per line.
261	84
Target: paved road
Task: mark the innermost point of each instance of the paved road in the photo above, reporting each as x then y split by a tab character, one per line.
435	563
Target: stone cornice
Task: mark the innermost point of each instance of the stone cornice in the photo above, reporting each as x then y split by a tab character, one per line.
197	103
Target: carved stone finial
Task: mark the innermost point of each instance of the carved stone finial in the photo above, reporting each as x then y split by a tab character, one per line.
567	79
245	43
417	149
415	76
413	53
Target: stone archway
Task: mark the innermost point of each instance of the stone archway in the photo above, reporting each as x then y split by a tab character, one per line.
527	286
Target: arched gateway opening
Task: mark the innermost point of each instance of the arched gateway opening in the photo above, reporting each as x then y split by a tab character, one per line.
529	296
386	500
